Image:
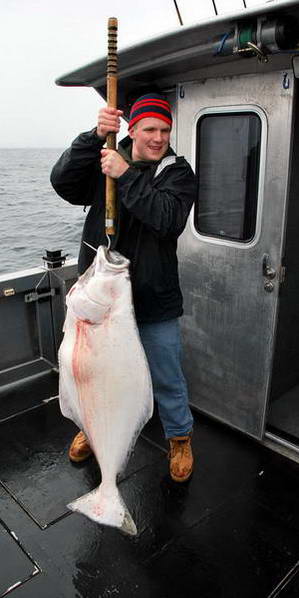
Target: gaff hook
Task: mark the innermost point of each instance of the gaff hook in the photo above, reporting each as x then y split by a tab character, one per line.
109	241
91	247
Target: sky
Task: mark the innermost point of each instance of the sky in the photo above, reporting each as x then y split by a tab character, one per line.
42	39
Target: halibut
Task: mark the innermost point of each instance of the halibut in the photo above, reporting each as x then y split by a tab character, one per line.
105	385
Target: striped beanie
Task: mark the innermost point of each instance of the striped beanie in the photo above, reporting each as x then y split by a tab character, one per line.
151	105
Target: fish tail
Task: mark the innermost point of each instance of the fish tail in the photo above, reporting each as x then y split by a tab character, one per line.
106	508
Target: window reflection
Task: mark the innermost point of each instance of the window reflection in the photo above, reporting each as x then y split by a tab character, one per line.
228	155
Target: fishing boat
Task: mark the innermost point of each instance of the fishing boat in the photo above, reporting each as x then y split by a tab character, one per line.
232	531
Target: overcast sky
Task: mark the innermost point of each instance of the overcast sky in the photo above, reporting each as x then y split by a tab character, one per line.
43	39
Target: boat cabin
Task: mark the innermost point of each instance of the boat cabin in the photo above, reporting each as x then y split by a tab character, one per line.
233	531
233	86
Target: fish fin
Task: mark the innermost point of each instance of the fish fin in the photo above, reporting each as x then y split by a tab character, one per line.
106	509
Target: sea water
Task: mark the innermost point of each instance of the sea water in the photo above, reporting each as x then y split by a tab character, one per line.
33	217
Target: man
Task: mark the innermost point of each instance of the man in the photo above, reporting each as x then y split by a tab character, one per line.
155	194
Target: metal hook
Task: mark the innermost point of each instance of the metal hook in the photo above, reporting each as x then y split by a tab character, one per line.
91	247
286	81
109	241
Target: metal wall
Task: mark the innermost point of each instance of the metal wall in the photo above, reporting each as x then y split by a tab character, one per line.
230	317
32	312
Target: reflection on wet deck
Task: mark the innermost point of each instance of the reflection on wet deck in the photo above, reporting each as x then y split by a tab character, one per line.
231	531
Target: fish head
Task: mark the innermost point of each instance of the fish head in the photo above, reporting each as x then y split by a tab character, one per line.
110	277
110	261
98	288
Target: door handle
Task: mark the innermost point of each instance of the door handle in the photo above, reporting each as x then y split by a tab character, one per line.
268	270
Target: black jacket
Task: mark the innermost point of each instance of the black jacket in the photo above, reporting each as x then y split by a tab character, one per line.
154	200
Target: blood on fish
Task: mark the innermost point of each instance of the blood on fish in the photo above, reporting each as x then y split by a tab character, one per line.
82	347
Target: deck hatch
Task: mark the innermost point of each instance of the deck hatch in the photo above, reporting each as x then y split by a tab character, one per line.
36	471
19	566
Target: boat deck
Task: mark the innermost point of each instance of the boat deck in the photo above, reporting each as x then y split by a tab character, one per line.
231	532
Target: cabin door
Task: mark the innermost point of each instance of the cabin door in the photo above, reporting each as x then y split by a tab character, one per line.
236	133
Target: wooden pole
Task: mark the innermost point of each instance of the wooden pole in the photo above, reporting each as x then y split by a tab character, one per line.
111	137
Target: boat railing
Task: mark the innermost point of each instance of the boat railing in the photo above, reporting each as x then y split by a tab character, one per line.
32	311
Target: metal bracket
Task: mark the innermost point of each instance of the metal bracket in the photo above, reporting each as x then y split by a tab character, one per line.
282	274
181	92
262	56
9	292
268	271
34	296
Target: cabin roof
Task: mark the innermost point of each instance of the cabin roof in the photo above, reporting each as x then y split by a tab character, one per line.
186	53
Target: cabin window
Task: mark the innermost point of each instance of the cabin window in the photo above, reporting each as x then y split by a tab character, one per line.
227	165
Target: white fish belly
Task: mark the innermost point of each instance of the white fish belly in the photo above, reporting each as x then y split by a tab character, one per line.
105	388
106	385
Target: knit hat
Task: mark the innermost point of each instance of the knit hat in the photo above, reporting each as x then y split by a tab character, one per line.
151	105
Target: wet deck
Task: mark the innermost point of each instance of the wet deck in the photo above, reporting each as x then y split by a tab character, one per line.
231	532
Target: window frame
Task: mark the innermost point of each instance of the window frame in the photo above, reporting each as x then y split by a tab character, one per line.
236	109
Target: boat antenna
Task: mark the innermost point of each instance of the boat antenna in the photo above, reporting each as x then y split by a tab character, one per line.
178	12
215	8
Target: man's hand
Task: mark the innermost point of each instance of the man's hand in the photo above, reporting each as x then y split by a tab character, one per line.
112	163
108	121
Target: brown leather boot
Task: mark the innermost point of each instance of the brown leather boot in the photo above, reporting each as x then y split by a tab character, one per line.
181	458
79	449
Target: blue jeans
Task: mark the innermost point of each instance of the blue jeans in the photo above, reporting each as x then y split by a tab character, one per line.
162	345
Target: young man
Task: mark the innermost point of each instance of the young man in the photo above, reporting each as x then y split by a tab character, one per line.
156	190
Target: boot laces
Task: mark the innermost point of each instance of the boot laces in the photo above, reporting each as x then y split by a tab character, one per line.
181	446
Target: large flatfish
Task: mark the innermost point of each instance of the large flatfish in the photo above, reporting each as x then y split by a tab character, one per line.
105	383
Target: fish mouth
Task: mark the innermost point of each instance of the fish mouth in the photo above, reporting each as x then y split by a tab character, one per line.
113	259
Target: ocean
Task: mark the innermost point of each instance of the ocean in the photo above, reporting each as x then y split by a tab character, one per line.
33	217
